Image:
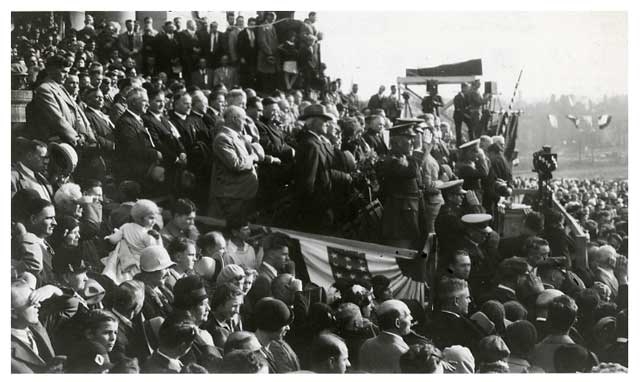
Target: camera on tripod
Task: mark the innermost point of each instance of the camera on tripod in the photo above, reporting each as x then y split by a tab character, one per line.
545	163
405	96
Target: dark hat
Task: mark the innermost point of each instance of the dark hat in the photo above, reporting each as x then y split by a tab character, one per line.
402	130
491	349
271	314
269	101
380	281
68	262
573	358
521	336
513	266
188	292
514	311
88	357
495	311
315	110
452	187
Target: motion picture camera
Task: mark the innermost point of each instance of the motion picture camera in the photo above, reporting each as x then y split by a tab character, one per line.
545	163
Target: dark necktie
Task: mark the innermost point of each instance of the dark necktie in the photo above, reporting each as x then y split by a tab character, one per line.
130	41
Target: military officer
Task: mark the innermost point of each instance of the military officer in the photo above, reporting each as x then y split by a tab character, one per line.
448	226
473	167
481	242
402	217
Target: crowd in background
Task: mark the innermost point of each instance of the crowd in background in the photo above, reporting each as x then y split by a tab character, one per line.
130	136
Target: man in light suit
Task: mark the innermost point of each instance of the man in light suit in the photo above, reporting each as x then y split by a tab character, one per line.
382	353
50	115
31	350
130	43
27	172
234	180
225	74
203	77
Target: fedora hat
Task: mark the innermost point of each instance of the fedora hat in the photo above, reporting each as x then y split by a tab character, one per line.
315	110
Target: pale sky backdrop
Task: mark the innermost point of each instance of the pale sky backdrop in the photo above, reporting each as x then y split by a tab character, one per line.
581	53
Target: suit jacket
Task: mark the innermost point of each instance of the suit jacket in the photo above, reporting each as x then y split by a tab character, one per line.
267	41
197	79
24	360
233	174
375	102
375	141
459	104
219	49
163	138
37	257
447	329
22	178
226	75
312	172
247	48
165	49
103	129
52	113
196	139
134	148
131	340
187	43
123	44
382	353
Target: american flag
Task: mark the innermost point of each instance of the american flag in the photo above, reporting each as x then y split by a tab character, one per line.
349	265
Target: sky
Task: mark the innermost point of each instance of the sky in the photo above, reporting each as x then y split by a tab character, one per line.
581	53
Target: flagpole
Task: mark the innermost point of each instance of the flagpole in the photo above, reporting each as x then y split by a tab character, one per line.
515	89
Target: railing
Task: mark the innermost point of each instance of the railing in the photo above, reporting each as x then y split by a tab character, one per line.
581	238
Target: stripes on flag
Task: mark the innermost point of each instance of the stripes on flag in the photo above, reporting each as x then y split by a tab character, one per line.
327	258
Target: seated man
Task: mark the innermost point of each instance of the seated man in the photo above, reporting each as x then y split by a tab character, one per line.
382	353
182	224
176	336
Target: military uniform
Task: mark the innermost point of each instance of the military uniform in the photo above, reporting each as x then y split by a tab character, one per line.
403	216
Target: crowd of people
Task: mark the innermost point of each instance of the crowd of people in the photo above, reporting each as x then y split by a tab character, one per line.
112	273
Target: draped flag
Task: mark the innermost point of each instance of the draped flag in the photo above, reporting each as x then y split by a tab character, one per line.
511	136
327	259
574	119
553	120
604	121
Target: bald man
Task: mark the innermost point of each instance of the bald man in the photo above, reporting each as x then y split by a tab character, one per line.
234	180
329	354
382	353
